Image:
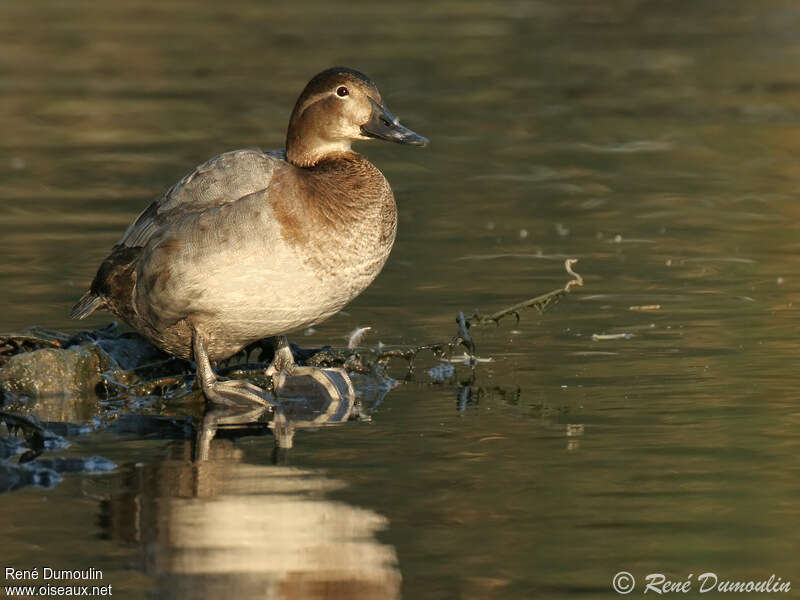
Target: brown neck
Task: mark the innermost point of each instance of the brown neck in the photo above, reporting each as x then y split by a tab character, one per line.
347	184
343	204
307	151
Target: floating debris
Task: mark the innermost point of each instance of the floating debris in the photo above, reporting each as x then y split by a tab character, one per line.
492	438
574	429
618	239
597	337
468	359
355	336
645	307
505	255
720	259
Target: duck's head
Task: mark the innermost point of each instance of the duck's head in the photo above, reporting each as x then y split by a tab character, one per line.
337	107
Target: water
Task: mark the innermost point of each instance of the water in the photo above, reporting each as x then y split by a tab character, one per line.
656	142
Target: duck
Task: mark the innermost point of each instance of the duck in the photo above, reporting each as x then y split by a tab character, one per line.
252	244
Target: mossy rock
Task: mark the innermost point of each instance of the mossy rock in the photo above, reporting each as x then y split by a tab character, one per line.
54	371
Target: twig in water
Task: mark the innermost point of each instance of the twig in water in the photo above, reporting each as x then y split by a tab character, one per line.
540	303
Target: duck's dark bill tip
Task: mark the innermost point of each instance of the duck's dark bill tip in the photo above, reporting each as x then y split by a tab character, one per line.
395	133
413	139
417	140
385	126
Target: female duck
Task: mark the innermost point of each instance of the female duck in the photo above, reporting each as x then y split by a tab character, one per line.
252	244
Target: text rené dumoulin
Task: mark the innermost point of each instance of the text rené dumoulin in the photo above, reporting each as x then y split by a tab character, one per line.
50	574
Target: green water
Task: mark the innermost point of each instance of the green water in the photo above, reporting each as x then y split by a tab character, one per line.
655	142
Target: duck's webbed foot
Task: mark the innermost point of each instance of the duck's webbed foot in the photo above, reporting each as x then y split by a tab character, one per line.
233	392
286	374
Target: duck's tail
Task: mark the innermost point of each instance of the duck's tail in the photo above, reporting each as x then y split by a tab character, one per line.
87	305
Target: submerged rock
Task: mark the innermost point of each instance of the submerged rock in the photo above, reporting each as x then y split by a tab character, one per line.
54	372
59	378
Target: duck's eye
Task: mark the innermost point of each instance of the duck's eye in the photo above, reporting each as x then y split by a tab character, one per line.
342	91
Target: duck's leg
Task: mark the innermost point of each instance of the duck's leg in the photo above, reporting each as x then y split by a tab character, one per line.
233	392
283	366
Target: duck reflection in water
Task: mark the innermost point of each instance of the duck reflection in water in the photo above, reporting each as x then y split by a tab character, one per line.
220	526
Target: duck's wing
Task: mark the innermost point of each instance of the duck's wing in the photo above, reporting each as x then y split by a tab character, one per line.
222	180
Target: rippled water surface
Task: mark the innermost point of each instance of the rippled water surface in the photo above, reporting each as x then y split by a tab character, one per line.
657	142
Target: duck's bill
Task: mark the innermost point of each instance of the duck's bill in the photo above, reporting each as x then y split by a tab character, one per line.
385	126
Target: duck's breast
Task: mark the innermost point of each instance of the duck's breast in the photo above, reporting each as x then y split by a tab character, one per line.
272	262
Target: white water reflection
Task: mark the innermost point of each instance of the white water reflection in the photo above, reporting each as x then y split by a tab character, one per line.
225	528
